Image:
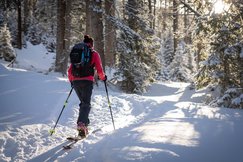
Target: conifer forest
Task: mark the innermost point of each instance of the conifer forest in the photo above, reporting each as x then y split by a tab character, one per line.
142	41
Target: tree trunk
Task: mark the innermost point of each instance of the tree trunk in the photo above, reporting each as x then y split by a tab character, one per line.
187	37
150	13
5	11
175	23
67	34
165	16
60	53
226	80
110	34
19	33
53	14
124	10
186	34
154	15
97	29
198	57
241	74
88	17
27	14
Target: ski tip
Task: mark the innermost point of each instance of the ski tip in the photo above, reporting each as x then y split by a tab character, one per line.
74	138
67	147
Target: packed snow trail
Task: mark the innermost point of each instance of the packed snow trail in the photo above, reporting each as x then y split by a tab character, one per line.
169	123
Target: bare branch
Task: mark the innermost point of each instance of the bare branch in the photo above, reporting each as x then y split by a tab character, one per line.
190	8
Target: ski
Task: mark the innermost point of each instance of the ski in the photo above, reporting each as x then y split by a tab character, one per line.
73	141
76	139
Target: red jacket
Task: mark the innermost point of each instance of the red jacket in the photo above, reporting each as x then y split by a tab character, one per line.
96	61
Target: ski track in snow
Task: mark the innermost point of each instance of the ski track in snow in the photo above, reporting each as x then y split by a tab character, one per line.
167	123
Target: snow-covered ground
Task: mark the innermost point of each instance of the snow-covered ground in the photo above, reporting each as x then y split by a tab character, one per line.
169	123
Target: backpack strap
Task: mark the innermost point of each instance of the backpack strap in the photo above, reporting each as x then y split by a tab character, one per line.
86	55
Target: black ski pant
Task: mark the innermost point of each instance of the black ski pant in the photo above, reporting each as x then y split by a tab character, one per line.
83	89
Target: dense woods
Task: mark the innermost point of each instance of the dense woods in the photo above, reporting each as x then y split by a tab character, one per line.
143	40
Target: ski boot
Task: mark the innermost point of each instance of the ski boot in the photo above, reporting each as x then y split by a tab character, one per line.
82	130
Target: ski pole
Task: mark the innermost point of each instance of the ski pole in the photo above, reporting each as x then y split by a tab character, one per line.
53	129
109	104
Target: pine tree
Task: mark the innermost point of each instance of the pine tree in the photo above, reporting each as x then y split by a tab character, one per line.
42	28
179	68
223	67
167	54
137	49
34	35
7	51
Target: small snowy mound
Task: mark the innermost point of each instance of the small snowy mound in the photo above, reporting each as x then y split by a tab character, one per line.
35	58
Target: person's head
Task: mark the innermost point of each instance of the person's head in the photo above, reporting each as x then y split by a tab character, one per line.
88	40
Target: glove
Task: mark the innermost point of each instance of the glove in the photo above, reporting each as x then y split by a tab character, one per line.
105	78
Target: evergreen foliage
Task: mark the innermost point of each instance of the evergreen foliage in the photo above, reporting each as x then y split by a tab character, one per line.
34	34
140	55
179	68
7	51
137	50
166	54
223	64
42	28
168	49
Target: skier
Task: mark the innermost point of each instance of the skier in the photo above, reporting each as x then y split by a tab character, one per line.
83	87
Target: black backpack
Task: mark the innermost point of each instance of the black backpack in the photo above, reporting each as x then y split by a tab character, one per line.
80	57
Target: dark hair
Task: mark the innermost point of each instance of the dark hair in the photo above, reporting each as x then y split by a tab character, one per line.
88	39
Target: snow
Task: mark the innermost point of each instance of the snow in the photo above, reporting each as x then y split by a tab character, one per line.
169	123
35	58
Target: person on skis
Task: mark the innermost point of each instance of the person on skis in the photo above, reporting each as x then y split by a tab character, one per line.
83	86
